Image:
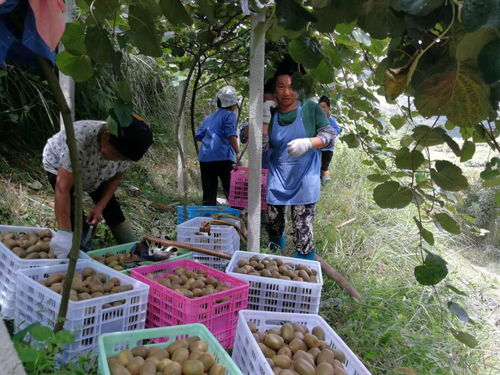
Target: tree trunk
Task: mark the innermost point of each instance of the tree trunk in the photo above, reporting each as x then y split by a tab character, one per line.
51	77
193	104
257	50
181	182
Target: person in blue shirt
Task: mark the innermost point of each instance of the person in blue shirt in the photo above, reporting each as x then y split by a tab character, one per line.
219	145
327	153
293	136
268	96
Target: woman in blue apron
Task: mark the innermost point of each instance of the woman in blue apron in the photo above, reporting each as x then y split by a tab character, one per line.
327	153
219	145
293	135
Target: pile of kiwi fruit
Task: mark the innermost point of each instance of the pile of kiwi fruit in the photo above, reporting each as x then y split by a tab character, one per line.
190	283
294	350
116	261
182	357
276	268
86	285
30	245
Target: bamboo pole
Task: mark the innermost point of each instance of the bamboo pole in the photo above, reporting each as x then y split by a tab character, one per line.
187	246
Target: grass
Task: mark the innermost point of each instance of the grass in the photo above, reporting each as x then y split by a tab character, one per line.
399	327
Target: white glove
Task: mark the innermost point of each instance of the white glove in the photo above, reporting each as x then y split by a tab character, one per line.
266	111
299	146
61	243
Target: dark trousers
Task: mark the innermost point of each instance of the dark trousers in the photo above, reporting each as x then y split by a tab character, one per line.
112	213
326	158
211	172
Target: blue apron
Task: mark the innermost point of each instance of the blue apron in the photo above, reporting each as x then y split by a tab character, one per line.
291	181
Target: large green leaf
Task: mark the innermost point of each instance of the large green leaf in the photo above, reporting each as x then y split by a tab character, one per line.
452	144
306	51
491	170
432	271
398	121
73	38
417	7
391	195
175	12
323	73
468	150
465	338
124	91
426	234
459	93
98	45
448	176
481	13
41	333
292	15
489	61
409	160
351	139
78	67
447	223
456	290
106	9
458	310
471	44
337	12
380	20
426	136
144	35
123	113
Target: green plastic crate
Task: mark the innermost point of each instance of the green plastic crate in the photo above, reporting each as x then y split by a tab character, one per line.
125	248
110	344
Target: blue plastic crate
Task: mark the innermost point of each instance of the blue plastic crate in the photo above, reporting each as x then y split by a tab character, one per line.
206	211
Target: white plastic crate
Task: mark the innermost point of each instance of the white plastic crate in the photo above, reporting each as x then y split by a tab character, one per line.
221	238
249	358
10	263
88	319
268	294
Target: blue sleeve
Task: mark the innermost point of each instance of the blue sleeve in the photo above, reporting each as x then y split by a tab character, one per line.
243	138
200	132
230	129
334	125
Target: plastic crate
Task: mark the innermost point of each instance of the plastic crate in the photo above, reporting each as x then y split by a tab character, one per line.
10	263
268	294
88	319
111	344
222	238
205	211
125	248
249	358
238	189
169	308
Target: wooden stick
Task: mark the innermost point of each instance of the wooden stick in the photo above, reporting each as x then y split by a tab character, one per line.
187	246
338	278
346	223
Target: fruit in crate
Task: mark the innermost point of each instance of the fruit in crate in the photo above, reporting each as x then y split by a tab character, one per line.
87	284
191	284
30	245
276	268
182	357
293	349
116	261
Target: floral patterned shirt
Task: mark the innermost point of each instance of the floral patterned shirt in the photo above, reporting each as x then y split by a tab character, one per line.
95	169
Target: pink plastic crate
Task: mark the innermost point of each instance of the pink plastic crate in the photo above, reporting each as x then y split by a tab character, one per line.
169	308
238	190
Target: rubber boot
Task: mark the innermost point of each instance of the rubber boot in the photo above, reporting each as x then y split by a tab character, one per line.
123	233
309	256
276	244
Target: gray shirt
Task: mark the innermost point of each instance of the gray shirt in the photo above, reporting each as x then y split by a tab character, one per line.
95	169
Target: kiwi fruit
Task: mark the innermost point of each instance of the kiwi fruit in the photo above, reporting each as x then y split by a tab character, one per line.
31	245
182	357
295	349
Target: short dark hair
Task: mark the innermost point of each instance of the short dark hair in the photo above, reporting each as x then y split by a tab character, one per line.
288	66
325	99
269	86
133	141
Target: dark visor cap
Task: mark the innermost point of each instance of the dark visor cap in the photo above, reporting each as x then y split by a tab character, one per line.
134	140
